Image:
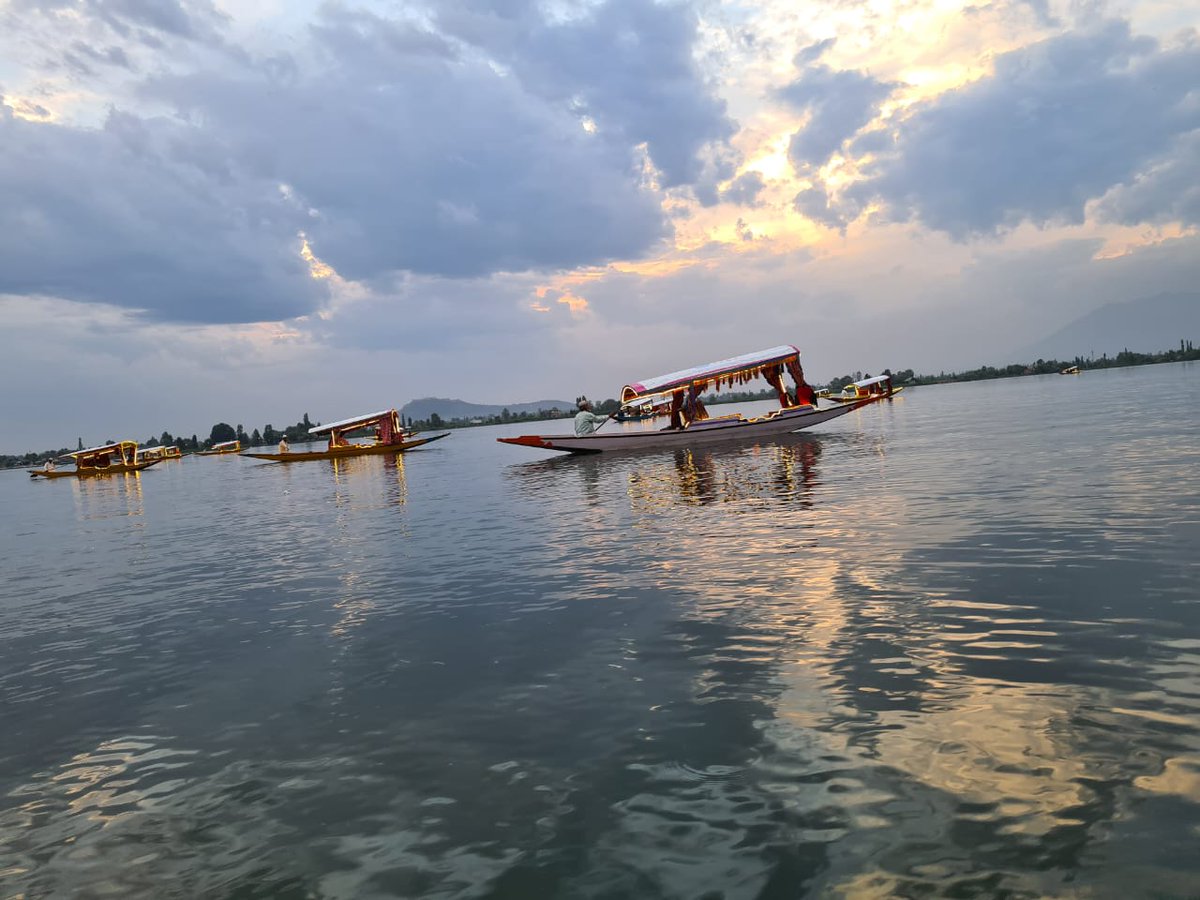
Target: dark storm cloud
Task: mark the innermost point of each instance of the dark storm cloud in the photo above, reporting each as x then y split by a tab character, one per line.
627	64
393	147
838	104
1167	192
417	159
1059	124
111	215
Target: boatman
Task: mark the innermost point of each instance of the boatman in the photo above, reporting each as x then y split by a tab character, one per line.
283	445
587	421
48	466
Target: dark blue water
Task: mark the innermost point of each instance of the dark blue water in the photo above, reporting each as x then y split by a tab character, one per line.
943	646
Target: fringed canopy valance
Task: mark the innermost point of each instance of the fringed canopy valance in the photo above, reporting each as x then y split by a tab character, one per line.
730	372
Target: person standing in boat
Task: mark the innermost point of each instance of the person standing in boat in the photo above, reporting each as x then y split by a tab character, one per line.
283	445
587	421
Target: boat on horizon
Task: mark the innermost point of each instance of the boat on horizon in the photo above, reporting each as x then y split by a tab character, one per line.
390	436
159	452
868	389
1070	370
690	423
107	459
221	449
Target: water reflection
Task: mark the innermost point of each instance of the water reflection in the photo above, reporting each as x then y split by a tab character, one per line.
784	471
108	496
934	654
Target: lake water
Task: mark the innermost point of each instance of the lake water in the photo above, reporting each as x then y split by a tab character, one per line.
946	645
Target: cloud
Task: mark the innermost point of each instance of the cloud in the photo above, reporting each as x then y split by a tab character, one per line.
117	215
393	148
421	159
745	189
838	103
628	66
145	20
1168	191
1058	124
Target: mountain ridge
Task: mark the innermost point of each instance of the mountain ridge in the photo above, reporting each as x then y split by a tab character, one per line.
1146	325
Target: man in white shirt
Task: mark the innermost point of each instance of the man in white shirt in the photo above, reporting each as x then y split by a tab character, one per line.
587	421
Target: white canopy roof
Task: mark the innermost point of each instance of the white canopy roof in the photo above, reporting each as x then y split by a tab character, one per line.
347	424
638	391
867	382
101	448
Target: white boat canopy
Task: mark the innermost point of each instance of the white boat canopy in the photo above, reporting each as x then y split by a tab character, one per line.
734	369
102	448
225	444
352	423
867	382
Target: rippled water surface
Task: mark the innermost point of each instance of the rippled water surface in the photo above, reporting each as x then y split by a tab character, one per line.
947	645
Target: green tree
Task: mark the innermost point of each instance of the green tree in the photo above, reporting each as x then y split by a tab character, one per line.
435	421
222	432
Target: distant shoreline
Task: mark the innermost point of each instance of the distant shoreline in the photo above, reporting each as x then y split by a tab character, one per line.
1124	359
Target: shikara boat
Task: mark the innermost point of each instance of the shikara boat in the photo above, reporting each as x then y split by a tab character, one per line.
389	437
868	389
690	423
1070	370
159	452
221	449
107	459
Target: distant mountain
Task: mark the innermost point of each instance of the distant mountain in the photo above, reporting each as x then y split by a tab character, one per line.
1144	326
461	409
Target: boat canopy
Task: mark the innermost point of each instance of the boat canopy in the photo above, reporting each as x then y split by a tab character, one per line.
867	382
104	448
224	444
353	423
735	370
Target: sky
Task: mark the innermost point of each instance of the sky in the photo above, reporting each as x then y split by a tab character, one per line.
246	210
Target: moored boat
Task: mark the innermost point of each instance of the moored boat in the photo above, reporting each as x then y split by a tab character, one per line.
1070	370
221	449
389	436
867	389
690	423
159	452
107	459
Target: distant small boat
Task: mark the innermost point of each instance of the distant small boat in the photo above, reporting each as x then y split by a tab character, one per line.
221	449
868	389
107	459
641	413
690	423
1070	370
389	437
159	452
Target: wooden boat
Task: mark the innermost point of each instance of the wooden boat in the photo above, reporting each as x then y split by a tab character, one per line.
690	424
1070	370
389	437
159	452
107	459
221	449
868	389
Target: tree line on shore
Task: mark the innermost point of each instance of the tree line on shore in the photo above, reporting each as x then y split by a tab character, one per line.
298	433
